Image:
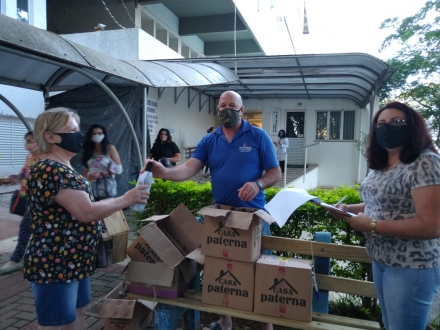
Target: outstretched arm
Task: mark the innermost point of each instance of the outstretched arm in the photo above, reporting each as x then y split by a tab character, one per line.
180	172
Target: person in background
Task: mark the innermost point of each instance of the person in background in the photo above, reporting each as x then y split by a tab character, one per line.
24	232
400	215
242	162
282	144
164	148
100	158
65	222
205	170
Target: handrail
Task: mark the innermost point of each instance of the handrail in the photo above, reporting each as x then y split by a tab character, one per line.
305	161
305	147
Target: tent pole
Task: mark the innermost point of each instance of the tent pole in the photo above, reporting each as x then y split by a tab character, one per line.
144	125
95	80
17	112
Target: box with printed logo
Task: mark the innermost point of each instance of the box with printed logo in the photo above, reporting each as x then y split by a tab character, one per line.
140	251
283	288
228	283
233	232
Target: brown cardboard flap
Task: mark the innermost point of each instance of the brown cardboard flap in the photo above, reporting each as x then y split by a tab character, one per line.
232	219
161	244
239	220
188	269
154	274
212	211
118	308
155	218
197	256
265	216
116	223
184	228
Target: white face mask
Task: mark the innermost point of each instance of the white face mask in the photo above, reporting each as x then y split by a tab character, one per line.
97	138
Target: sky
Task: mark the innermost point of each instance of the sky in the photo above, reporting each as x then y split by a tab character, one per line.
336	26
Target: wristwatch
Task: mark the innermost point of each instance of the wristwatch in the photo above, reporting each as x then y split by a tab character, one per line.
373	224
260	184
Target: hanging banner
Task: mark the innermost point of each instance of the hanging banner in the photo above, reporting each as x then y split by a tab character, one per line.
152	117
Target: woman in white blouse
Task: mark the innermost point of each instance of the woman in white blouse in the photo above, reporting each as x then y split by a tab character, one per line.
282	144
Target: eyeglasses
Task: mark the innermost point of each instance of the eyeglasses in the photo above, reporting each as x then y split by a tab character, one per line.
394	122
163	134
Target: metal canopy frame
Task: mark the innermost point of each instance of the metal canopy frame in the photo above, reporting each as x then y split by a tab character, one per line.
353	76
40	60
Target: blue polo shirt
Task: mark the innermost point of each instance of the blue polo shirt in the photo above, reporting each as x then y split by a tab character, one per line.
233	164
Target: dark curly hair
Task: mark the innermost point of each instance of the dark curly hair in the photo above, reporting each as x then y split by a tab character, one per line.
89	145
418	136
157	141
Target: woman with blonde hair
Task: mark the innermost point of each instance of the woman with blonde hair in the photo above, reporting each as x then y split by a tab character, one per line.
66	230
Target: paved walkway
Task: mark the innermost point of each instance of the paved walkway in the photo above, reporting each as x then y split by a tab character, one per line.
17	310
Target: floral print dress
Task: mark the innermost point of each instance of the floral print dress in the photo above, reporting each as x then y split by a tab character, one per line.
61	248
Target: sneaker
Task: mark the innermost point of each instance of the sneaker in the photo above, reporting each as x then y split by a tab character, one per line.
10	267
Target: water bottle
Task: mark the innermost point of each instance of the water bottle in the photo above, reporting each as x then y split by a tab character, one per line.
145	178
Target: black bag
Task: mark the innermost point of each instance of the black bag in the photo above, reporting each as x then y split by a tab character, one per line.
104	187
18	203
104	257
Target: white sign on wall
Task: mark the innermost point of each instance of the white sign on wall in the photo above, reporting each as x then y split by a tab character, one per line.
275	122
152	117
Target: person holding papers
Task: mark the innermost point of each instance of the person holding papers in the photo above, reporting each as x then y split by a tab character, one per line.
400	215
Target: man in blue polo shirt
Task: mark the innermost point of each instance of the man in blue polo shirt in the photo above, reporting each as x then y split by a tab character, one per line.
242	163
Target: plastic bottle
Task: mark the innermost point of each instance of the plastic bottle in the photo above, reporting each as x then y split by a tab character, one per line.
145	178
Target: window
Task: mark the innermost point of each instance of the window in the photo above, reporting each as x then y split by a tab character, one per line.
295	124
23	10
335	125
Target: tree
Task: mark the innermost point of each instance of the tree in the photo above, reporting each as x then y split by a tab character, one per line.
417	62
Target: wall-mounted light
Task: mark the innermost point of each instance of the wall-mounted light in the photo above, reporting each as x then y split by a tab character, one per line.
299	104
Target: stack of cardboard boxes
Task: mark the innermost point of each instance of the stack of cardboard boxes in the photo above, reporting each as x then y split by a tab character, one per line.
164	255
163	263
235	275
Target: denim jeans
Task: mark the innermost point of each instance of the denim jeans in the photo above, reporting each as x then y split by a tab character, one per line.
56	303
405	295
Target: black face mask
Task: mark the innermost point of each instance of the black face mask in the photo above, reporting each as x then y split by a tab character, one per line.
229	117
72	142
391	136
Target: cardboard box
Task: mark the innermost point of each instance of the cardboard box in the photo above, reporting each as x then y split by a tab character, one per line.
120	313
283	288
117	231
228	283
158	280
174	236
233	233
140	251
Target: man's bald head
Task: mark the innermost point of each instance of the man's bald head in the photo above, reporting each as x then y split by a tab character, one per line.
231	100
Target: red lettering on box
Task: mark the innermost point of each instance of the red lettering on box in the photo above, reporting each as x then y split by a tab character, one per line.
225	252
281	271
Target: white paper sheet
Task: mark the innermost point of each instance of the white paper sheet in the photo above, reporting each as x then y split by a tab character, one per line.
286	201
